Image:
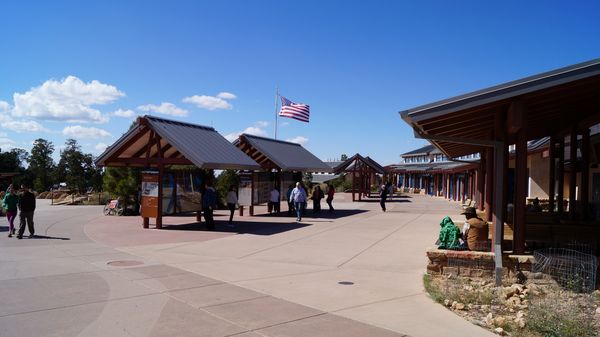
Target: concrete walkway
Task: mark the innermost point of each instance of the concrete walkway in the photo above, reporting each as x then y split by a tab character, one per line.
356	272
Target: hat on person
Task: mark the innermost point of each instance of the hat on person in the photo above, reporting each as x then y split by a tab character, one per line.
470	210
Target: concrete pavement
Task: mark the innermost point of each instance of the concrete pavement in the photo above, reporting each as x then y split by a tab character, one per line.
357	272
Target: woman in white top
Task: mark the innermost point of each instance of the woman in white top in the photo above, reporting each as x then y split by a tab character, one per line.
274	200
231	200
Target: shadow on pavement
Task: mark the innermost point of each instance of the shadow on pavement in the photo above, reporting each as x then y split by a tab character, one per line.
241	227
324	214
48	237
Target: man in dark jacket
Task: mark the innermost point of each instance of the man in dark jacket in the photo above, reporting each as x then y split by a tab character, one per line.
26	207
209	203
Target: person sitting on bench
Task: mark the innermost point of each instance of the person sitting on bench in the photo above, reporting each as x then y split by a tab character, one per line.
476	230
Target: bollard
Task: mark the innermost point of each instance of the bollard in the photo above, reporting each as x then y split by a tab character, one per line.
251	210
241	210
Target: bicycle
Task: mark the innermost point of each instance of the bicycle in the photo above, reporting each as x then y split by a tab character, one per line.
113	207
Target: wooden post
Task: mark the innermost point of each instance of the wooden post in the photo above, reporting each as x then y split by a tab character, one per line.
585	173
552	176
161	172
353	183
573	175
560	198
251	207
520	194
499	158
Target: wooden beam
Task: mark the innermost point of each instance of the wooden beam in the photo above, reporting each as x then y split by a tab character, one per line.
560	172
552	176
585	173
573	174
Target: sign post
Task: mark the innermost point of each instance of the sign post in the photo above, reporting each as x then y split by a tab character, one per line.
150	195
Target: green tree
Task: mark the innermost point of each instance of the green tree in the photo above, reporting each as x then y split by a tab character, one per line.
226	179
13	161
122	183
77	169
41	164
344	157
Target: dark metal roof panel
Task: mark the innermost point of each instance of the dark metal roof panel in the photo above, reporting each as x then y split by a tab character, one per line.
287	155
503	91
202	145
422	150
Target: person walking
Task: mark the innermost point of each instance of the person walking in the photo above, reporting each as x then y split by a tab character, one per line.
317	195
209	203
330	193
383	195
232	201
288	196
26	207
299	198
10	203
274	200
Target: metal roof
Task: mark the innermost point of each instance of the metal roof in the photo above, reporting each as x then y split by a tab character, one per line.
278	154
180	142
547	104
349	164
422	150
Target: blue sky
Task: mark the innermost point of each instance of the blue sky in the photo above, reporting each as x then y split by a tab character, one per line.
85	69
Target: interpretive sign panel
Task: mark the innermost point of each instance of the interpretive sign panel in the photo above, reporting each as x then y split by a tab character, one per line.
150	194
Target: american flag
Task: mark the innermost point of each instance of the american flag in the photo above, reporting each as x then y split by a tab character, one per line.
293	110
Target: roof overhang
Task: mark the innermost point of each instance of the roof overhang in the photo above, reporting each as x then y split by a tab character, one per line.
156	141
546	104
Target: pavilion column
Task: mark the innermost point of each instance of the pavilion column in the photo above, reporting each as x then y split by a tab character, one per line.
573	175
560	172
489	182
480	186
552	177
161	172
585	172
354	183
520	194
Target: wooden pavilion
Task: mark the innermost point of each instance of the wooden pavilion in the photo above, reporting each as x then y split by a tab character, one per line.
282	164
364	171
156	143
562	104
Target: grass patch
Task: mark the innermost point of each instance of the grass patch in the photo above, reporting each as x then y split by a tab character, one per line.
551	318
433	289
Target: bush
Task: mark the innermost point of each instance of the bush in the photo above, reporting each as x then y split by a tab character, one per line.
554	318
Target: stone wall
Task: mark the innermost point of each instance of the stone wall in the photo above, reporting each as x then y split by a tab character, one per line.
474	264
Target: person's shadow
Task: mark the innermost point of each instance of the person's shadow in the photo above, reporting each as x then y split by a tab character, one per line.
48	237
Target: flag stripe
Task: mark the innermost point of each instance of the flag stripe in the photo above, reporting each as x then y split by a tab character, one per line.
293	110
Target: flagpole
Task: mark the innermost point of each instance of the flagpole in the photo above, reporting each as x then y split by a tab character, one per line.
276	101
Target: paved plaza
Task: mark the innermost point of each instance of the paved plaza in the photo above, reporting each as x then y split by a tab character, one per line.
356	272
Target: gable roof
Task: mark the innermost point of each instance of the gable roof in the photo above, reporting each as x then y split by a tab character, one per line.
278	154
179	143
349	164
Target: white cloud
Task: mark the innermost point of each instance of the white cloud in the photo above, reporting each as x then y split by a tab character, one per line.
67	100
22	126
3	134
79	131
124	113
100	147
261	124
211	102
164	108
226	95
299	140
256	130
4	106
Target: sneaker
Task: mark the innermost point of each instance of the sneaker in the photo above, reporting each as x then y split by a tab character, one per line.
10	235
31	236
19	237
